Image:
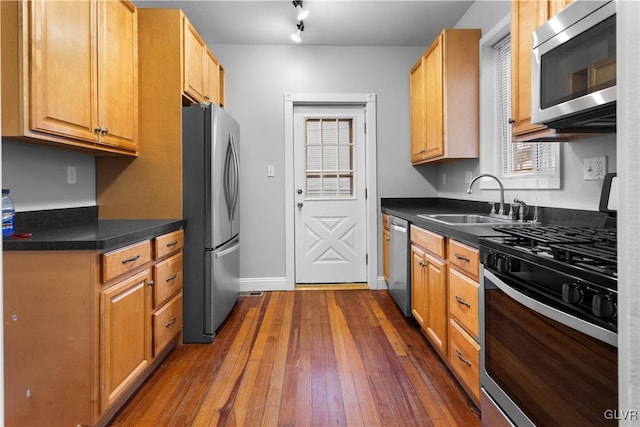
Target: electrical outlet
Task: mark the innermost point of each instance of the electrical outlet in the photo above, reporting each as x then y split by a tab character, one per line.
468	176
71	174
595	168
271	171
444	178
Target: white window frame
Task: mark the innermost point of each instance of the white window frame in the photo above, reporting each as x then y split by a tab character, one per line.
489	148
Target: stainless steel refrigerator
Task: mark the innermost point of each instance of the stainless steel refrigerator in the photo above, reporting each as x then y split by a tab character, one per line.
210	172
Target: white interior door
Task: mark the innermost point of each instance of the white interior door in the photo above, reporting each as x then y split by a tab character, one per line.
330	218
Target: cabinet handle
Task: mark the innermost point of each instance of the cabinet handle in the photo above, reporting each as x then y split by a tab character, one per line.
463	302
206	98
175	242
461	257
171	322
511	121
422	151
132	259
422	264
461	357
172	277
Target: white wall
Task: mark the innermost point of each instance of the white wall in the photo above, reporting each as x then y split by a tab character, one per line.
575	192
257	78
37	176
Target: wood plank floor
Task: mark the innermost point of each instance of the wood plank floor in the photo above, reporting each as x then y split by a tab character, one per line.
305	358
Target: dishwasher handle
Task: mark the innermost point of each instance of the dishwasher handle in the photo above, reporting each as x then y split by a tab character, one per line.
399	228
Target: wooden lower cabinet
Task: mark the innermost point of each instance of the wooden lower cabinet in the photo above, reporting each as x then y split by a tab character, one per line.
385	247
124	336
444	302
78	345
464	359
429	295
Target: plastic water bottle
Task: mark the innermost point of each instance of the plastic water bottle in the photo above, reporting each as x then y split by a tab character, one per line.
8	214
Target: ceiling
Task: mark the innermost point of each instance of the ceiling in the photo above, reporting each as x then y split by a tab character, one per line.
347	22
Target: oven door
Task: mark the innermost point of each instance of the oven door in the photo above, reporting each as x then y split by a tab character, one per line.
538	367
574	72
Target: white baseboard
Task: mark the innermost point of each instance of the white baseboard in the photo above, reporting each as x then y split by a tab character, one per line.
256	284
382	284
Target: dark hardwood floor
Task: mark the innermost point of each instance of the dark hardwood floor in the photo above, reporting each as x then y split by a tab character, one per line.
305	358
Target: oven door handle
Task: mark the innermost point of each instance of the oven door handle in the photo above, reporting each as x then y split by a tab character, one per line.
566	319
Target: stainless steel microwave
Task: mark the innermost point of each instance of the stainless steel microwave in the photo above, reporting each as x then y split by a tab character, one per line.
573	69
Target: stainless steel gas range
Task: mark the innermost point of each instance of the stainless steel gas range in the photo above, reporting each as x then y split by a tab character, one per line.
548	314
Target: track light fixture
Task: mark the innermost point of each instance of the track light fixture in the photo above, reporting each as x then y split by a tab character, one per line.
296	37
302	13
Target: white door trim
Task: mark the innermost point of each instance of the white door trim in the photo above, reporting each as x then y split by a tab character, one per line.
368	101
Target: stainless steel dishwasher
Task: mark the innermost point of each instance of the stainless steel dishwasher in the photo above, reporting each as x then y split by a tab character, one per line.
399	275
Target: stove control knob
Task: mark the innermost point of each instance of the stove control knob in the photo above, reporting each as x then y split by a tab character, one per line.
603	306
572	293
489	259
503	265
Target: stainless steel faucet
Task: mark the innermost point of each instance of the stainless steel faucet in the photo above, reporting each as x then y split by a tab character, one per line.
501	208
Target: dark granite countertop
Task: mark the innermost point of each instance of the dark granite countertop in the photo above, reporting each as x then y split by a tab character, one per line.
84	231
409	208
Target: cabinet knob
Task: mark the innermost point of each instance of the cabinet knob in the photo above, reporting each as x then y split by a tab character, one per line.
105	130
511	121
98	129
151	282
300	204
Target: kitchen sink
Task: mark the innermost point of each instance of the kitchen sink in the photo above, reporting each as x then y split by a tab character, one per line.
464	219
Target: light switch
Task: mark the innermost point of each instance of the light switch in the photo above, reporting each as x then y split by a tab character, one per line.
271	171
71	174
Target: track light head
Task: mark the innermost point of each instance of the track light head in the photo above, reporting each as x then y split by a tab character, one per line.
302	13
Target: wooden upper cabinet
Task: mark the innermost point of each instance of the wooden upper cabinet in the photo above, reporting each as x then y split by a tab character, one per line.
63	75
194	63
118	74
418	107
445	98
526	16
76	77
212	81
202	69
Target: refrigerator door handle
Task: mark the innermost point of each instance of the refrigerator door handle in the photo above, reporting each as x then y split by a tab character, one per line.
228	250
225	184
236	170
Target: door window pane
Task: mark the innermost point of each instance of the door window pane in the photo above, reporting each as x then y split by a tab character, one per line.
330	168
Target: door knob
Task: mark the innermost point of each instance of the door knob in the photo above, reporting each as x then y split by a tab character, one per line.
299	191
300	204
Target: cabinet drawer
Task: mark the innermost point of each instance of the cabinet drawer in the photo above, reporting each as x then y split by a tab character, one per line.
464	257
168	243
167	323
167	277
427	240
464	358
463	300
121	261
385	221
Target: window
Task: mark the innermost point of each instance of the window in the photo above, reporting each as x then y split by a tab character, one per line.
519	165
329	158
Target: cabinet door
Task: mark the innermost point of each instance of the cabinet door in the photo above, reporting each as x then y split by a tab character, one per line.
418	286
212	91
125	336
194	57
385	255
526	16
63	69
436	279
434	143
417	103
117	74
